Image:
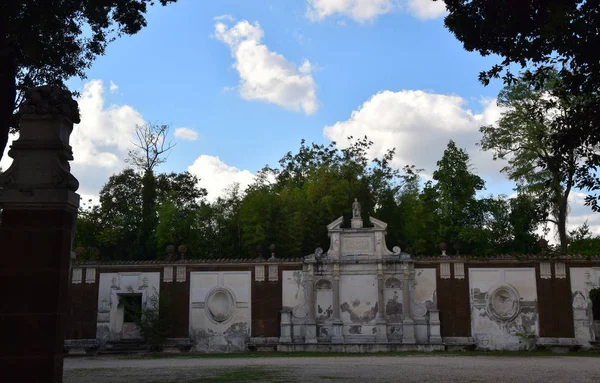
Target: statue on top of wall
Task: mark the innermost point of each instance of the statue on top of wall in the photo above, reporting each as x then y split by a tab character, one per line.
355	209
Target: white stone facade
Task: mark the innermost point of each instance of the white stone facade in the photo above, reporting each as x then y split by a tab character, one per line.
359	292
112	288
504	313
583	280
220	310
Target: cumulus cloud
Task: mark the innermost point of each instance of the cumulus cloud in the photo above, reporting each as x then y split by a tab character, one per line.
186	134
100	142
216	176
266	75
426	9
358	10
419	125
368	10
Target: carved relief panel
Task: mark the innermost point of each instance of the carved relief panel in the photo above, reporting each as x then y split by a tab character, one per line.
503	303
220	306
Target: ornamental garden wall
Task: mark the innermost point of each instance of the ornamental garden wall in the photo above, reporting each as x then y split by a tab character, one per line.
358	296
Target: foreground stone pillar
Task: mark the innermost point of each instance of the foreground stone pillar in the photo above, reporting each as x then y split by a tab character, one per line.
337	325
36	234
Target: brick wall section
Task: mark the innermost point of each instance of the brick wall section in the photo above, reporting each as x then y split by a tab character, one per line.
454	304
179	294
554	305
83	309
266	303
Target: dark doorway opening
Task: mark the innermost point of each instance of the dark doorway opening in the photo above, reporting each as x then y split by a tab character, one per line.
132	306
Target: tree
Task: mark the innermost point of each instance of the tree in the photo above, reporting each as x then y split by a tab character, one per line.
456	186
150	151
524	137
115	224
544	36
47	42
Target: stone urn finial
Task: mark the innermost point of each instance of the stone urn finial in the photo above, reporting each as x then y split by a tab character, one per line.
42	152
272	249
443	248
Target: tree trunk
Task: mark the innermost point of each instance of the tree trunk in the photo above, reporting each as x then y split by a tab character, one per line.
8	93
561	221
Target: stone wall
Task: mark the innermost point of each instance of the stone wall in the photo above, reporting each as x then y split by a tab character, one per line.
486	303
260	292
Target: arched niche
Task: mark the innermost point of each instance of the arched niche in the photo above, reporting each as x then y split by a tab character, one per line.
393	283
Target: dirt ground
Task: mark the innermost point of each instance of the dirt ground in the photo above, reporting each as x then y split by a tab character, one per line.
369	369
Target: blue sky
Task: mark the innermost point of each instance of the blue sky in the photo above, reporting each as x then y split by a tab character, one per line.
251	79
175	71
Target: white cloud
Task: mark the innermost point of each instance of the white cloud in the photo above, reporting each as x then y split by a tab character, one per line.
100	141
215	175
419	125
113	87
358	10
267	75
426	9
186	134
224	17
368	10
579	213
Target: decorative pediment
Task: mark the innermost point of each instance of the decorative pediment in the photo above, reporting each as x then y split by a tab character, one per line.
336	225
377	224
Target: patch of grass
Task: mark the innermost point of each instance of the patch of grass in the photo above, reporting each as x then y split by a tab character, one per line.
246	374
331	378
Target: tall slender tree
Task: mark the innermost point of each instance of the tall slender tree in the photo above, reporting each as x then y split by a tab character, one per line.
524	136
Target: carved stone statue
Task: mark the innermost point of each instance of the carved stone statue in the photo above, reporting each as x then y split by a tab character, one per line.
355	209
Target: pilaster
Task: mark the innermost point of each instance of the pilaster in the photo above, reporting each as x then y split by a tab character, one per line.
381	336
311	324
337	325
408	324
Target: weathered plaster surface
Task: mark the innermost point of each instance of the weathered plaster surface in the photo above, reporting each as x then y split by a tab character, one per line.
425	287
324	301
358	304
584	279
503	305
293	289
220	310
112	287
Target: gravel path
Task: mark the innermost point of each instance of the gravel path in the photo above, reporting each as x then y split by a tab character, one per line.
329	369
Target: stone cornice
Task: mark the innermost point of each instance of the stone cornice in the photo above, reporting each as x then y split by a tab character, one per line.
188	262
506	257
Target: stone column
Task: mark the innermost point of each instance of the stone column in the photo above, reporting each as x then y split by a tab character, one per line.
337	325
381	336
311	325
408	325
36	235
